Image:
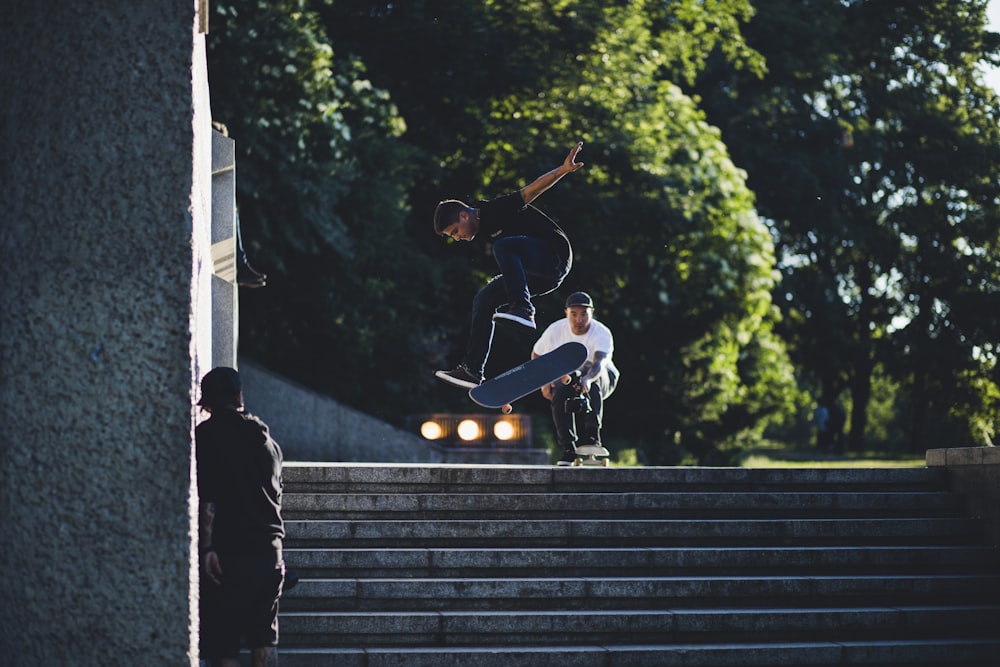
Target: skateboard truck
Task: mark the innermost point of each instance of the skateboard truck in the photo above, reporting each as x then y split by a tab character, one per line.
596	455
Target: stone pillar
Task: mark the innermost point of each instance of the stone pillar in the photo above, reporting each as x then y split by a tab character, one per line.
225	296
104	196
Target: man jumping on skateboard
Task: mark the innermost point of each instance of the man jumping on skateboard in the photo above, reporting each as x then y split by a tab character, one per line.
533	253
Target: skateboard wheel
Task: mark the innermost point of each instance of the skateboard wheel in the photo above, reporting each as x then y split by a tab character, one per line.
507	409
566	379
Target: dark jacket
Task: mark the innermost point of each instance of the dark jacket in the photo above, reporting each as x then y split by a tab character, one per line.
239	470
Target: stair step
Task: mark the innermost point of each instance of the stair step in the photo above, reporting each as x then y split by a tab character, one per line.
648	532
937	652
365	478
410	565
627	592
547	562
522	627
635	505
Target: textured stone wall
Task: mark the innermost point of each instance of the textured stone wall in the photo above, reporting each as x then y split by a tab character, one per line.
98	116
975	473
313	427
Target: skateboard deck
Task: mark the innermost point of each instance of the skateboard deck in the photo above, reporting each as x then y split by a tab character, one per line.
504	389
595	456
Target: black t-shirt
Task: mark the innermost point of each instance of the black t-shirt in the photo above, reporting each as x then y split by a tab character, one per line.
239	470
510	216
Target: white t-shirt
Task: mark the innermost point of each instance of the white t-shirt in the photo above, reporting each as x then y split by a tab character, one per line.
597	339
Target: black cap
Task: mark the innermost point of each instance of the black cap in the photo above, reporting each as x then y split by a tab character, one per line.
579	299
220	386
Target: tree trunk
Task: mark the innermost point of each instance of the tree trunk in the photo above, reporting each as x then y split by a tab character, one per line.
861	392
918	395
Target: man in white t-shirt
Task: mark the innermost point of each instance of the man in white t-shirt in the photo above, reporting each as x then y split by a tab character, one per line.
598	378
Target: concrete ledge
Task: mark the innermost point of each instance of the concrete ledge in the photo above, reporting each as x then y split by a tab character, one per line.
963	456
975	473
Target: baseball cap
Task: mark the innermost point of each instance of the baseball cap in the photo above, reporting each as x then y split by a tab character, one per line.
579	299
220	386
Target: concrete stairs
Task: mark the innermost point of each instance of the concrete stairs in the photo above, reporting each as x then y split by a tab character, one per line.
535	565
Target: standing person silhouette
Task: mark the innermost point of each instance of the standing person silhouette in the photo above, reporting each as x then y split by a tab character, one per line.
240	528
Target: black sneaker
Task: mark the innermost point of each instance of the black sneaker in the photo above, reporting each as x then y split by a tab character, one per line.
567	459
247	277
520	317
460	377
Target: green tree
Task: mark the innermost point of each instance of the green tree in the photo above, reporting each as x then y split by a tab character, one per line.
322	183
663	226
336	198
872	146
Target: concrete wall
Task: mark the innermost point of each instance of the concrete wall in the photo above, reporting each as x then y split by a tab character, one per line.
104	123
313	427
975	473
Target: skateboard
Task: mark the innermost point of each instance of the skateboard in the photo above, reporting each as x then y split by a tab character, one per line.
504	389
596	456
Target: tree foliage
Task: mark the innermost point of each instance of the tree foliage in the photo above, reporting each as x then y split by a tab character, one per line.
663	226
335	197
872	144
322	181
869	141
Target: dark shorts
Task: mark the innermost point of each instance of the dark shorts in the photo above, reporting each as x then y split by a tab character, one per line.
244	608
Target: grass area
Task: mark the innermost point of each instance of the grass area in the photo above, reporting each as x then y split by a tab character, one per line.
776	455
760	461
780	457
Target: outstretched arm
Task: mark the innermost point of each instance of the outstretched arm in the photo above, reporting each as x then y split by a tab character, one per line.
599	363
531	191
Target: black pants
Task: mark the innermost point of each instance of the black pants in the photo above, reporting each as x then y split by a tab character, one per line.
244	607
530	268
577	428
